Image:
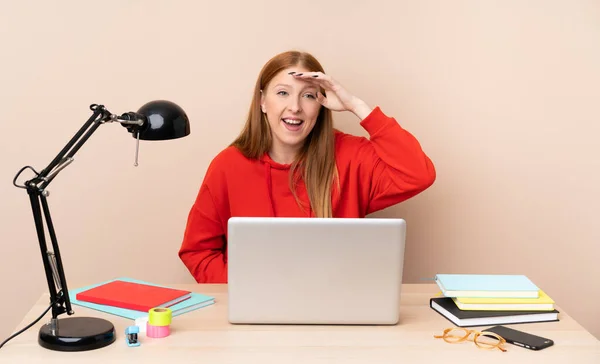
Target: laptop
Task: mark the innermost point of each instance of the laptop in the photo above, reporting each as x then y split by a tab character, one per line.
344	271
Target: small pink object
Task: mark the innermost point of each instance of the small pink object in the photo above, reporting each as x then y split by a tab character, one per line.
157	331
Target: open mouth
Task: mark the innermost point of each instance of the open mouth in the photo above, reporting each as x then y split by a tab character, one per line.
293	124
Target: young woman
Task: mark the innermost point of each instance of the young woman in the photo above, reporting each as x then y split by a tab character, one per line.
289	161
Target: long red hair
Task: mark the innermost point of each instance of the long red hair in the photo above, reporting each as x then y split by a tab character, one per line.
316	160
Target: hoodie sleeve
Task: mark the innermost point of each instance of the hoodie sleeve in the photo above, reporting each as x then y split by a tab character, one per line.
203	248
396	166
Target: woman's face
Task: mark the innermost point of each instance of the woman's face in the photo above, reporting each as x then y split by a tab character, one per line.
291	108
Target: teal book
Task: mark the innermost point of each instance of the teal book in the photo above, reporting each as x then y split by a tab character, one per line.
196	301
486	285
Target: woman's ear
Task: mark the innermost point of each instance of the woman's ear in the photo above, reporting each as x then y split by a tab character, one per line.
262	102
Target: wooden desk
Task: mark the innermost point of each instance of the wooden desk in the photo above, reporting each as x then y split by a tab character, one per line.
205	336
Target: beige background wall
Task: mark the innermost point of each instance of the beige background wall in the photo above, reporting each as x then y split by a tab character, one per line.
503	96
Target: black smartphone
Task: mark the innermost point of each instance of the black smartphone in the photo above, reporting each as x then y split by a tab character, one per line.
521	338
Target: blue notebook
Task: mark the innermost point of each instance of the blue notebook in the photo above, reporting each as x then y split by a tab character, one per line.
195	302
486	285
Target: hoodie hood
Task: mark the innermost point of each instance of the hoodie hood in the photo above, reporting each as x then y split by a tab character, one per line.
267	160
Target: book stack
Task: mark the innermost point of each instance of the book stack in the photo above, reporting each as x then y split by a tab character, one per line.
131	298
490	299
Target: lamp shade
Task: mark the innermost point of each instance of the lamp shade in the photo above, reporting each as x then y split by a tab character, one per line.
163	120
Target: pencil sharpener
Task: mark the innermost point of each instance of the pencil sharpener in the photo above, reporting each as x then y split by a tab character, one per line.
131	336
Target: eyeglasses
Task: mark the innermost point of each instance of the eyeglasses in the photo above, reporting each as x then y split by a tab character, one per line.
483	340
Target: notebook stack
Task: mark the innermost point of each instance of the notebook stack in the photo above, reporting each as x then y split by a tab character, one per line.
480	299
133	298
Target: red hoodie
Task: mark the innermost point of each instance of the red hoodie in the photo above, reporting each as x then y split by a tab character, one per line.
374	173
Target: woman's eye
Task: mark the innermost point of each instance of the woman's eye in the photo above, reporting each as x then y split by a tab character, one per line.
310	96
283	93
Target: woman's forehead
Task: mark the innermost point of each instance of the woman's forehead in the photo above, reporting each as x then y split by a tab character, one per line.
283	78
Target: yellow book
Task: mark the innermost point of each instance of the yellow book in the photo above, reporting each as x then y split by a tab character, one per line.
542	303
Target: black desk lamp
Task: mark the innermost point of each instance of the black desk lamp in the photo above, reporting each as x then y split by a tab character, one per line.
156	120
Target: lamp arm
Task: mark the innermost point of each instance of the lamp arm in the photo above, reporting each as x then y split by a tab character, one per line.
36	189
65	157
98	110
